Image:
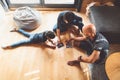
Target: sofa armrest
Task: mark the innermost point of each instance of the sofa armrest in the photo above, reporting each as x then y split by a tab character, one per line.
107	21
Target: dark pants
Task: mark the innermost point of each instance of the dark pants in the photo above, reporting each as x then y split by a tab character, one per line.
87	46
97	69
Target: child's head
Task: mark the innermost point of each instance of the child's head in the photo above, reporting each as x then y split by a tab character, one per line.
50	34
69	16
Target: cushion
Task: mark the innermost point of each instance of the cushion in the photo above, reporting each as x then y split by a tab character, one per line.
27	18
107	21
117	3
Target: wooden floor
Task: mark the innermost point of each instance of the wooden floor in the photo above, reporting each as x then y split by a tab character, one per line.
35	62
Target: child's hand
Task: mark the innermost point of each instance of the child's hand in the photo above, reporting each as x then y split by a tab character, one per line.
59	45
54	43
76	31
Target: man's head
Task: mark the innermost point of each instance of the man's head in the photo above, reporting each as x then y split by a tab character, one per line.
50	34
89	31
69	16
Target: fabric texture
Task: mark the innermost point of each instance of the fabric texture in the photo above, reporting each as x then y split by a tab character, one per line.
107	21
100	43
27	18
117	3
63	26
32	38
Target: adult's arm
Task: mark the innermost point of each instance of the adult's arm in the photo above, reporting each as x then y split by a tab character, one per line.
58	35
78	38
59	23
90	59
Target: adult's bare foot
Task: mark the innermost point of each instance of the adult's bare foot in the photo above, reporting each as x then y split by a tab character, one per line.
74	63
53	47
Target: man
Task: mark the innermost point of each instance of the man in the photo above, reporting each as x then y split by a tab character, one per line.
96	46
67	20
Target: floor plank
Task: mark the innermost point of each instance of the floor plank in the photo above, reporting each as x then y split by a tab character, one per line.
35	62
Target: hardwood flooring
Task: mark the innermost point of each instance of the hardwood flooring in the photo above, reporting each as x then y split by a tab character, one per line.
35	62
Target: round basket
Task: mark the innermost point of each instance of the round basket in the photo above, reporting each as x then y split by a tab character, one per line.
113	66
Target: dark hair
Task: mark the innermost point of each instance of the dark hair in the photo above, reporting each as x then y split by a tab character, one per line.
69	16
50	34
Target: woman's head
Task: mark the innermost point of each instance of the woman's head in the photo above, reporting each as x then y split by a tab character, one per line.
50	34
69	16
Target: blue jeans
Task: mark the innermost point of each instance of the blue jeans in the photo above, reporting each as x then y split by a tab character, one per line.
97	71
27	41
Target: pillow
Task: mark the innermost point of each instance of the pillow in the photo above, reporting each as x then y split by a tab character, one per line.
27	18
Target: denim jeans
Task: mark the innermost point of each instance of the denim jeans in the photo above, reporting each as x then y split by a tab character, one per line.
22	42
97	71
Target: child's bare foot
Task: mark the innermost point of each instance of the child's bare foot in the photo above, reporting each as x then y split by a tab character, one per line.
14	30
6	47
74	63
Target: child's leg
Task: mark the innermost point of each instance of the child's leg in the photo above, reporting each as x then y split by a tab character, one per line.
24	32
67	35
67	40
27	41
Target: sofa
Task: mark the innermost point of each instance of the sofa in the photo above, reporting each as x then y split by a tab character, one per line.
107	21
